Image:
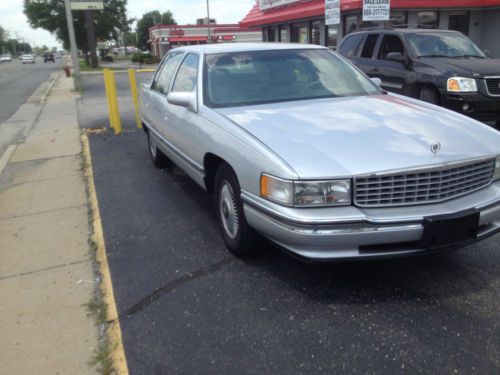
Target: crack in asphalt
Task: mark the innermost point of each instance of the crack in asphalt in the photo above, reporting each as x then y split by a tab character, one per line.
170	286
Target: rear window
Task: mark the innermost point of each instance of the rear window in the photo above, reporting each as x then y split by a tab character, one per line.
350	45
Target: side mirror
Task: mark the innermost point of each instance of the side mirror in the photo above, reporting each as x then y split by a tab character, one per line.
183	99
396	57
376	81
487	52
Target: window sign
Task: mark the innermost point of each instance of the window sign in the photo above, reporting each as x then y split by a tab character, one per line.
332	12
376	10
86	4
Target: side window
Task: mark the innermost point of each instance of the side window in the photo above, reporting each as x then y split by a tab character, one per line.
390	43
162	80
187	74
350	45
370	42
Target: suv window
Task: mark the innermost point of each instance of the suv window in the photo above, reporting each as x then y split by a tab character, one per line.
162	80
350	45
185	80
369	46
390	43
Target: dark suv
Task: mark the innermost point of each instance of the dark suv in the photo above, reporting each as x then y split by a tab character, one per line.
48	56
438	66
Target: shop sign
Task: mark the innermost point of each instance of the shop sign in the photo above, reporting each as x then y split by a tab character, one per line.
376	10
332	12
176	32
267	4
86	4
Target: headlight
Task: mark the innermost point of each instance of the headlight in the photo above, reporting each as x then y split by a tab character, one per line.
306	193
461	84
496	173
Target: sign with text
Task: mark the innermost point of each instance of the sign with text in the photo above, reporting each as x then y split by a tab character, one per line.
267	4
376	10
86	4
332	12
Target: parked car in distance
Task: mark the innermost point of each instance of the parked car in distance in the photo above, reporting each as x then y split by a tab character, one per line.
438	66
48	56
5	58
27	59
295	143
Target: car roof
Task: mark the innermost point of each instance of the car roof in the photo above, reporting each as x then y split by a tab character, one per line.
245	47
404	31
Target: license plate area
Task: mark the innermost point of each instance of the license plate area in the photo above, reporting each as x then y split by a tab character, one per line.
446	230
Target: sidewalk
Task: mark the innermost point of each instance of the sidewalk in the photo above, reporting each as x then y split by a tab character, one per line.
46	272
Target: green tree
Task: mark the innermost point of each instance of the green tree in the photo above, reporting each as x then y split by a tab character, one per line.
148	20
50	15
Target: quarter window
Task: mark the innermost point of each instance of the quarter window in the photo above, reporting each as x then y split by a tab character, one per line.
185	80
350	45
162	81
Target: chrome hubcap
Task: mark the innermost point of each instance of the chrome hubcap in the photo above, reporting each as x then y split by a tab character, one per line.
229	210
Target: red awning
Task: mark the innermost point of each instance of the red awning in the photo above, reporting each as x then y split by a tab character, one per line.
188	39
312	8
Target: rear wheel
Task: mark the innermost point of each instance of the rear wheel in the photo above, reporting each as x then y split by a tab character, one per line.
157	157
429	94
239	237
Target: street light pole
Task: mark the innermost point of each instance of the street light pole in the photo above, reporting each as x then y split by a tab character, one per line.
77	79
208	22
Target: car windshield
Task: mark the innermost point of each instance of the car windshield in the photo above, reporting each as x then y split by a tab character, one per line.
444	45
256	77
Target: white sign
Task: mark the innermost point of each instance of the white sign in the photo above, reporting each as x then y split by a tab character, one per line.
86	4
332	12
376	10
267	4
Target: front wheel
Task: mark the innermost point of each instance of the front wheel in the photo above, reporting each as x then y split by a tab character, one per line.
239	237
429	95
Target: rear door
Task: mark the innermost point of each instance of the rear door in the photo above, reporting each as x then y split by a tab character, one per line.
366	58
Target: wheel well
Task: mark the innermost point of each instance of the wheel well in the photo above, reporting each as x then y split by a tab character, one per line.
145	128
211	163
430	86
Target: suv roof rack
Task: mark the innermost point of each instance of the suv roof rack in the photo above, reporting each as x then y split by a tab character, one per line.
396	27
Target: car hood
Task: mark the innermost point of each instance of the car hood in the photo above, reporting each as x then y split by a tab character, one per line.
469	67
327	138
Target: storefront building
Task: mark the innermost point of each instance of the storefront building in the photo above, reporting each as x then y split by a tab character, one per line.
303	21
165	37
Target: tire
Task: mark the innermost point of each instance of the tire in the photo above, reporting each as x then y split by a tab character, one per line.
239	237
157	157
429	94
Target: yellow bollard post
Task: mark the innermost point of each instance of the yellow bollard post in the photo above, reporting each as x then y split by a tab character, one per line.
117	125
135	98
105	75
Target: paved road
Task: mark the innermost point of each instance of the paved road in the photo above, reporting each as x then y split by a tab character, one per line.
18	81
187	306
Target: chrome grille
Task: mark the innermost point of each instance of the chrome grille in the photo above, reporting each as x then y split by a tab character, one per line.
422	186
493	85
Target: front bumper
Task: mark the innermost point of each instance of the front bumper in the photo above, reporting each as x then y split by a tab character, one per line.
478	106
353	233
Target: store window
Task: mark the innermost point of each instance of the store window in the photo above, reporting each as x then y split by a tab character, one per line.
398	19
271	34
331	36
428	19
315	32
351	23
284	34
459	21
299	33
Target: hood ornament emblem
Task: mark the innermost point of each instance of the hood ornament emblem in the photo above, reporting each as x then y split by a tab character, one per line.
435	147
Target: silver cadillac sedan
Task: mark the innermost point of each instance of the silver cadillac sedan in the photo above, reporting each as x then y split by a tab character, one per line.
296	144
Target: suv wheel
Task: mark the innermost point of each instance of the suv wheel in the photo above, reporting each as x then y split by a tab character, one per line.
239	237
429	95
157	157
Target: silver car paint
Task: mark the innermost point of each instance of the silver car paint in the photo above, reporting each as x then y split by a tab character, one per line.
324	138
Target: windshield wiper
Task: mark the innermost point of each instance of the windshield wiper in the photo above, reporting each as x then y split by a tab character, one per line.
464	56
433	56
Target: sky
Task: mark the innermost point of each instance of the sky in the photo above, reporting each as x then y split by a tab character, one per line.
14	21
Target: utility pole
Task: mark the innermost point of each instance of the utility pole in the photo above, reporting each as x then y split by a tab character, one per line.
77	79
208	23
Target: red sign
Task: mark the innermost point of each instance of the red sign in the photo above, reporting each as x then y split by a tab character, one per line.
176	32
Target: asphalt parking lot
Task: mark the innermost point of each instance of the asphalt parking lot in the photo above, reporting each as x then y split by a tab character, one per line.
187	306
